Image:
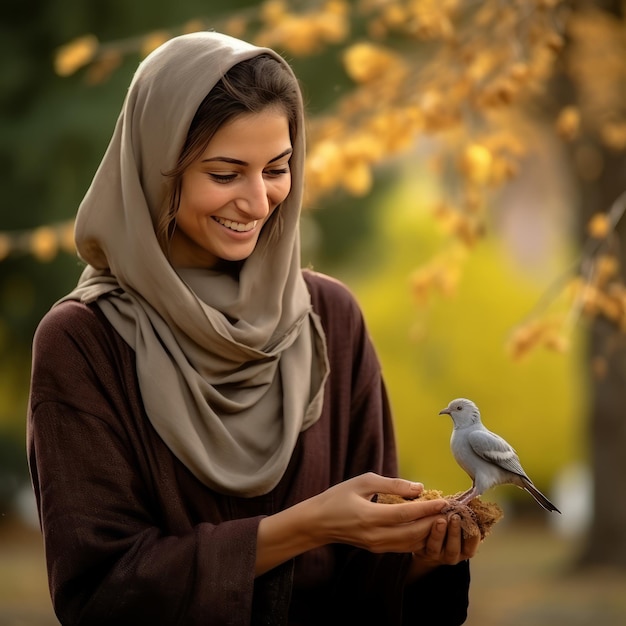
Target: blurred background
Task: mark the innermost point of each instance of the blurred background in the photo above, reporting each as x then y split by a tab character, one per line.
465	179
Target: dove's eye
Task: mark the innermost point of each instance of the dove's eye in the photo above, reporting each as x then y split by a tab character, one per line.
459	407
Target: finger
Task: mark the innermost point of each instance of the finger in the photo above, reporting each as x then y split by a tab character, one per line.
436	539
425	508
407	512
454	540
373	483
470	546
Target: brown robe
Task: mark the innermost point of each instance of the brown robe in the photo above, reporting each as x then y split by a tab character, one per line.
132	537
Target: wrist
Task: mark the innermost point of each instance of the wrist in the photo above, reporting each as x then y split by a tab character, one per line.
287	534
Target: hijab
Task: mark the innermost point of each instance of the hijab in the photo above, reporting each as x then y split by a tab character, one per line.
231	368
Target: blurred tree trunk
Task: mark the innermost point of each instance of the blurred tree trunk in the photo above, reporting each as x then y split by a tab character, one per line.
606	361
606	541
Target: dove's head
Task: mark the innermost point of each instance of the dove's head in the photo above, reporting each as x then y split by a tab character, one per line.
463	412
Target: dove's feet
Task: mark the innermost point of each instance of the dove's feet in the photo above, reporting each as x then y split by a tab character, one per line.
466	496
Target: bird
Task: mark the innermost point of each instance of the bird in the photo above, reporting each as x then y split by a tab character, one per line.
487	458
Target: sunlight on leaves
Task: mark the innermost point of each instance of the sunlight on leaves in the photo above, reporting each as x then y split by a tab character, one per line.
76	54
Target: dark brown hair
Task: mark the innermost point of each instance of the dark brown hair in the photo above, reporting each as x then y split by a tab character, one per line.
251	86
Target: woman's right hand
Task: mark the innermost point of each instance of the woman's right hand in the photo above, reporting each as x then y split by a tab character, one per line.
346	514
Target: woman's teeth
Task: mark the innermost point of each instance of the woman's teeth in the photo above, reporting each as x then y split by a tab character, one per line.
238	226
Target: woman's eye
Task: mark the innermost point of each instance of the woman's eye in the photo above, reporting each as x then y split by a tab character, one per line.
223	178
277	172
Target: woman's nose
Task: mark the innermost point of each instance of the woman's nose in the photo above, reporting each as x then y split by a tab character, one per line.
253	200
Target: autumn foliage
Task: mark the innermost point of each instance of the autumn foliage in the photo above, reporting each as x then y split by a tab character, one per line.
468	79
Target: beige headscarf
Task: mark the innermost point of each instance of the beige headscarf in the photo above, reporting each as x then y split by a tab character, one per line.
231	370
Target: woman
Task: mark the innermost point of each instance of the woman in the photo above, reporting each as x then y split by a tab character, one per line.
207	422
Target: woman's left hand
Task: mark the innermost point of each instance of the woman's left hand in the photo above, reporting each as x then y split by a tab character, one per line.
445	546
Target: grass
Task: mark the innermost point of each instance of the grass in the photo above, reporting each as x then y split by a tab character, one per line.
522	575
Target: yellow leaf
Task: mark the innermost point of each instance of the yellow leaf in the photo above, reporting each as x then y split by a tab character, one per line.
422	281
476	163
524	339
44	243
337	7
599	226
519	72
357	180
607	267
273	11
365	62
610	307
557	343
333	27
614	135
442	274
324	164
363	146
76	54
568	123
589	298
394	15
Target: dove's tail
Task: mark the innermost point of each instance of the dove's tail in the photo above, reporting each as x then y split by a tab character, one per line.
539	497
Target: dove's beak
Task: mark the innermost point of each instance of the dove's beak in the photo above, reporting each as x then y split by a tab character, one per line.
445	411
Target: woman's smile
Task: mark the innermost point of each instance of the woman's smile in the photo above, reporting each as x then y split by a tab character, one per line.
236	226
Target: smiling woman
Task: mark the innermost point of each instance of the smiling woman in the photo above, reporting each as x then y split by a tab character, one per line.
232	190
208	421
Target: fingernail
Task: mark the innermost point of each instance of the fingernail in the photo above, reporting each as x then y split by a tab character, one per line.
441	523
417	486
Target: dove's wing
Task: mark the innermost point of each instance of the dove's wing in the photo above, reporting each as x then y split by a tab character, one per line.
494	449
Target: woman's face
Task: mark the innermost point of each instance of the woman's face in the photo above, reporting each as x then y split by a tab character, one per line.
231	190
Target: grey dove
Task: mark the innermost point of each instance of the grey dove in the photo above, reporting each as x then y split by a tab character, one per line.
486	457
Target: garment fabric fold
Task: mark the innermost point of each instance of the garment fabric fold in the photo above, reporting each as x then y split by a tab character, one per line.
231	368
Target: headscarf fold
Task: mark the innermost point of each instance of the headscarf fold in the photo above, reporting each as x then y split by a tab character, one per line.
231	369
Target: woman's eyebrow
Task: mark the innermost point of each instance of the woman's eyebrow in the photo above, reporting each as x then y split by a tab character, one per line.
282	154
226	159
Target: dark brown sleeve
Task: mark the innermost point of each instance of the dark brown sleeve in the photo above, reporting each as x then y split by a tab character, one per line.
112	556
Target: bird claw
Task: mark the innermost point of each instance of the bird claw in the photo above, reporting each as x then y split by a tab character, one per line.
463	500
465	497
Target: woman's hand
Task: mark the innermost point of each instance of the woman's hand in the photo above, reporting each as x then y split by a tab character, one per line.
346	514
445	546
